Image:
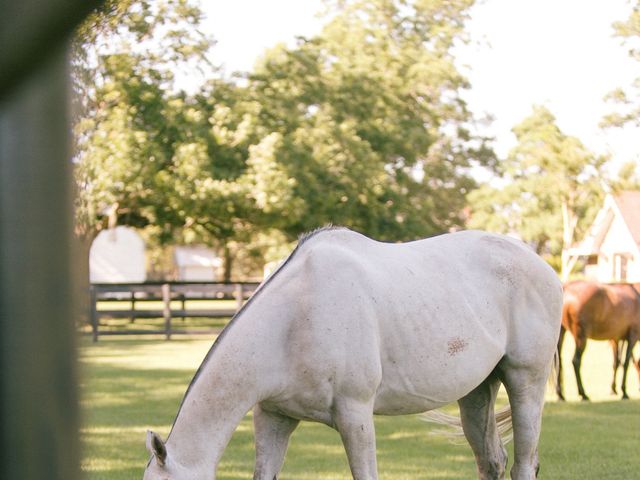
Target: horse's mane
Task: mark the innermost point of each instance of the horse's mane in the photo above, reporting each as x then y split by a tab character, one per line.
304	238
307	236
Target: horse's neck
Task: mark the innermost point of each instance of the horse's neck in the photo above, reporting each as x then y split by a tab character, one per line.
227	386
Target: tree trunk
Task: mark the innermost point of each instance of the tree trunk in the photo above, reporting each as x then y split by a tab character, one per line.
228	263
569	222
81	280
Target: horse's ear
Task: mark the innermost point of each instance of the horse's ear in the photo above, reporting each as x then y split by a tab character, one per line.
155	445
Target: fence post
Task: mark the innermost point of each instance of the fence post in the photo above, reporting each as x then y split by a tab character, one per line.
93	316
166	308
133	306
239	296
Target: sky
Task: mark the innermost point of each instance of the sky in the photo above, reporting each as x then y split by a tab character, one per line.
556	53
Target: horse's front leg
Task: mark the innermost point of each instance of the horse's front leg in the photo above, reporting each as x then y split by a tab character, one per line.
581	343
559	381
354	421
480	429
272	433
616	348
636	364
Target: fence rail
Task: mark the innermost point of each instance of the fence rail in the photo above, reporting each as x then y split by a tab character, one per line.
166	300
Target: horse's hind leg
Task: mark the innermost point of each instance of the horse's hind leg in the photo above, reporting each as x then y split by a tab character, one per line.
480	429
526	388
272	433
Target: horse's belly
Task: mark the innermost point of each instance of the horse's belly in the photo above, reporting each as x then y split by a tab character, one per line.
421	372
416	394
399	402
614	328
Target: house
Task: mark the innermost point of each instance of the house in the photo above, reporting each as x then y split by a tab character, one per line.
612	244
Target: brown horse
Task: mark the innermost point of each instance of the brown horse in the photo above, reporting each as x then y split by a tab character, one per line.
600	312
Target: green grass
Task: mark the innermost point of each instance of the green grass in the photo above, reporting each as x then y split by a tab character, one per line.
131	385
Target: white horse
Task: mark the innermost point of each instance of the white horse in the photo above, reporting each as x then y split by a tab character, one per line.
349	327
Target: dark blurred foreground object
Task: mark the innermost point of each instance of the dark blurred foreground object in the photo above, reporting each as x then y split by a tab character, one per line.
38	398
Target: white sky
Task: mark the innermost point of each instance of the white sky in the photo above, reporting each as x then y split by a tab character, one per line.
558	53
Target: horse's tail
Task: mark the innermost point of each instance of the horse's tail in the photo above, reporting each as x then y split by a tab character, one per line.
453	425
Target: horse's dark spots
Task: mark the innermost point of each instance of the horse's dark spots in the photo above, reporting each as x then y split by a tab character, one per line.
456	345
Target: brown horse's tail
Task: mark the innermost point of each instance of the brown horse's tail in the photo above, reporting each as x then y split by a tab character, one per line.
453	425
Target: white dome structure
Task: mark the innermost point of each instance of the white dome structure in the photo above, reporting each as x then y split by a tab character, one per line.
117	255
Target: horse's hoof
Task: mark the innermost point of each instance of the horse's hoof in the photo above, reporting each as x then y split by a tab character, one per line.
585	399
625	397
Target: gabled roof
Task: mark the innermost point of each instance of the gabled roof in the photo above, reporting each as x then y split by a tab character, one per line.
625	204
629	205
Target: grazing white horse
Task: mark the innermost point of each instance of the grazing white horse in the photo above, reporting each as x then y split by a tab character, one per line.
349	327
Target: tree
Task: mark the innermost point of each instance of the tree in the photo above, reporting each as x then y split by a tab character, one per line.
551	189
374	134
362	125
135	129
628	178
627	100
129	117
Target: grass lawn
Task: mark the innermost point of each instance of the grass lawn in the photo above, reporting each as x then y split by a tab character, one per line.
131	385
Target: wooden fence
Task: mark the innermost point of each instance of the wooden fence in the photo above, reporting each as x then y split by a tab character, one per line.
167	300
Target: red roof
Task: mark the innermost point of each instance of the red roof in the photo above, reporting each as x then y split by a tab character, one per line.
629	204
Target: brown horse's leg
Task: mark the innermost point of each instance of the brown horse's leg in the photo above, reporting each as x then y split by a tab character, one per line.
631	341
616	349
581	343
559	385
636	364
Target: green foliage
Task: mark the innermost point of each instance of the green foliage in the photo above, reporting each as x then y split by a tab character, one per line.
129	119
628	177
362	125
626	100
545	173
374	133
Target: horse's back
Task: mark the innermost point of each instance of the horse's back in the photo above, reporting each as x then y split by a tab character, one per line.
437	315
600	311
